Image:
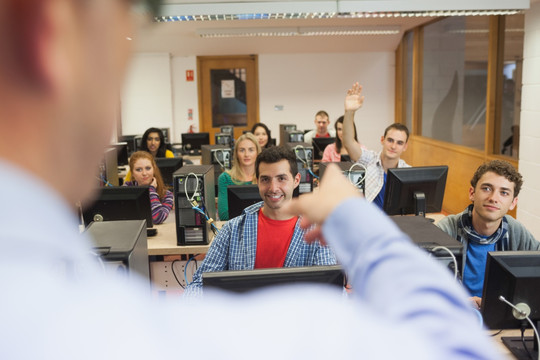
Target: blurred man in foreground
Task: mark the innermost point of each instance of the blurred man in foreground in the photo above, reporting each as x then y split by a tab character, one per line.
61	62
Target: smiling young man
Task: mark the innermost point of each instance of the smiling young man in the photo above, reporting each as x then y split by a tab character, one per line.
394	143
484	226
264	236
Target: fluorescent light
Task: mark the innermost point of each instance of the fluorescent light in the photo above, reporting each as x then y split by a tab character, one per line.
298	31
330	15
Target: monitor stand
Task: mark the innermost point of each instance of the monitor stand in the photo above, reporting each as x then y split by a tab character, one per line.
515	345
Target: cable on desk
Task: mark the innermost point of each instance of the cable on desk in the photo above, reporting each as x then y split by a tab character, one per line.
186	267
222	155
208	219
174	273
350	171
103	180
451	254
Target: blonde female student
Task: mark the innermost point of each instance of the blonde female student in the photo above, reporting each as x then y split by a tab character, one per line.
242	172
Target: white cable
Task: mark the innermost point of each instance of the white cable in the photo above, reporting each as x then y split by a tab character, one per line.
298	156
196	186
452	255
350	171
222	155
526	315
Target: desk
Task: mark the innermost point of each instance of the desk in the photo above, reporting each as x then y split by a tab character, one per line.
505	333
165	243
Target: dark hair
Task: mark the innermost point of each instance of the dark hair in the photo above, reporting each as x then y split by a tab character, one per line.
275	154
339	145
399	127
322	113
162	146
501	168
269	143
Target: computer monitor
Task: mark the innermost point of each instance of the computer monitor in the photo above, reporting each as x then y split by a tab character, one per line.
122	153
241	281
319	144
240	197
167	167
515	275
119	203
415	190
131	143
192	142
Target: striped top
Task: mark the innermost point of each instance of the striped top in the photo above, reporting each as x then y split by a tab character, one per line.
160	207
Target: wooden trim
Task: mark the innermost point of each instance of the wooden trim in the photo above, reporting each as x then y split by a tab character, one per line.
448	146
494	84
417	74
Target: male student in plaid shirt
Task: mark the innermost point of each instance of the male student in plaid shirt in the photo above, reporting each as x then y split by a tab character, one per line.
394	143
263	236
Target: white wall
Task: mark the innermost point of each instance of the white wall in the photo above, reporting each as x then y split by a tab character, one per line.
302	83
529	162
306	83
147	96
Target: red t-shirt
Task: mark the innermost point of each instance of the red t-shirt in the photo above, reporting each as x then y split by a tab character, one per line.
326	135
273	240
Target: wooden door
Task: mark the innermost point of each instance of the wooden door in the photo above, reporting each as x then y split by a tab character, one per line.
228	93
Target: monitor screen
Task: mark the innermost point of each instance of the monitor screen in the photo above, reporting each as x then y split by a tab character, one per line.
130	140
245	280
119	203
167	167
319	144
415	190
515	275
192	142
122	153
240	197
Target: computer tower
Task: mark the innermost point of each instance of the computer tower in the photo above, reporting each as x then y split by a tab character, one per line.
356	174
304	159
194	183
223	139
122	245
218	155
284	130
296	136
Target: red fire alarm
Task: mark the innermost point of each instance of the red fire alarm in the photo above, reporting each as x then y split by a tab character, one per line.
190	74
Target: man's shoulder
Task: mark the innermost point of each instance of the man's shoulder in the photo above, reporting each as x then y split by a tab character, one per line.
449	224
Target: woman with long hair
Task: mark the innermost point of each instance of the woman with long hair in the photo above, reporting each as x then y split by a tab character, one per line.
262	133
153	141
146	173
333	152
242	171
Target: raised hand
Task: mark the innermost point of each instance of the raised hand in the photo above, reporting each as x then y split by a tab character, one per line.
354	98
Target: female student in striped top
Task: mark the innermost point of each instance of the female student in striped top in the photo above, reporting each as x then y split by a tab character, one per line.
146	173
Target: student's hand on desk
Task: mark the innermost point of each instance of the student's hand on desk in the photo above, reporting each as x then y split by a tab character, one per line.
354	98
316	206
476	302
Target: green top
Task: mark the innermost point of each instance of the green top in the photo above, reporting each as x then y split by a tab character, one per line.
225	180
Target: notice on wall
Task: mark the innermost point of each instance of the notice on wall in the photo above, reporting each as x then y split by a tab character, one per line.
227	89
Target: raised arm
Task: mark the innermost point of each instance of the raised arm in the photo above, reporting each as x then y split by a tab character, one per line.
353	102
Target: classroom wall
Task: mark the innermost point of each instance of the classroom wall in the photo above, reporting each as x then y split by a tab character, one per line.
302	83
529	162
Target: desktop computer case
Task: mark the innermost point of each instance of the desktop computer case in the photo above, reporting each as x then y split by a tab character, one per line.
303	151
122	245
191	226
357	173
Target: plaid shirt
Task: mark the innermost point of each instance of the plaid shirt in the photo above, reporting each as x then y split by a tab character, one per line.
235	246
374	172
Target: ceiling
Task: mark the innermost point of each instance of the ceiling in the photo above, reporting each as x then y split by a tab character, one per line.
180	38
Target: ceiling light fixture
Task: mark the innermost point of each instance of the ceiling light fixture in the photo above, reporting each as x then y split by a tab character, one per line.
298	31
330	15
